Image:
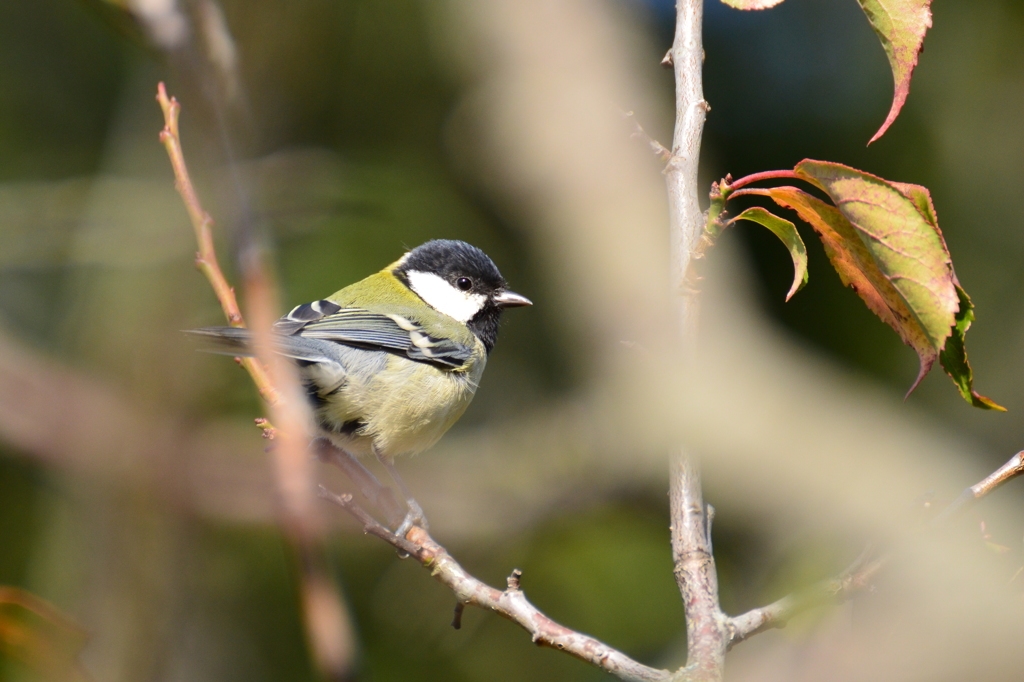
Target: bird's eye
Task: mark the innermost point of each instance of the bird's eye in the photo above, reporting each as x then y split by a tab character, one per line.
464	283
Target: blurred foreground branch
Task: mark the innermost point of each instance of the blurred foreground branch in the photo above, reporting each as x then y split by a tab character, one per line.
831	591
859	575
206	257
327	622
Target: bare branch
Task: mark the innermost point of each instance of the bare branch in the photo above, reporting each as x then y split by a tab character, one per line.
687	224
513	605
859	575
510	603
706	625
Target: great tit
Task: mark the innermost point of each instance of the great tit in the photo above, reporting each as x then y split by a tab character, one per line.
391	362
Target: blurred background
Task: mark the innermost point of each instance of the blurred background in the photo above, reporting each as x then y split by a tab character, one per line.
136	496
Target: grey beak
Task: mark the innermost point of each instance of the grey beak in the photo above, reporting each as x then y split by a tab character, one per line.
510	299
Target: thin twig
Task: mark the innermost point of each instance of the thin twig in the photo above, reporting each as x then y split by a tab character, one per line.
370	524
206	257
270	373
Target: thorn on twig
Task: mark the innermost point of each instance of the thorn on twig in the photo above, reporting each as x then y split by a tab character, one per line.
666	61
513	580
457	617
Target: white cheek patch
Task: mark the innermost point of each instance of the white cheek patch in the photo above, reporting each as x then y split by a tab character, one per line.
443	297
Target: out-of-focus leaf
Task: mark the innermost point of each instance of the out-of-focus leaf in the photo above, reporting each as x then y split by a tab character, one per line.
858	270
953	357
119	15
786	231
35	633
904	244
752	4
900	26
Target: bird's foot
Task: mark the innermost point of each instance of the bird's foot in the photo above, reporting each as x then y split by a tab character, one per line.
413	517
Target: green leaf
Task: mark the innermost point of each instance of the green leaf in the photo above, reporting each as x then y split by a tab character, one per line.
922	200
900	26
751	4
857	269
954	356
883	239
905	245
786	231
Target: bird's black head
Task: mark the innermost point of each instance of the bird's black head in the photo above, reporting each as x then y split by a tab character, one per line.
461	281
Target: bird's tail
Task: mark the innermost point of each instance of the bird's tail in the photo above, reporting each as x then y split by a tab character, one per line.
225	340
239	342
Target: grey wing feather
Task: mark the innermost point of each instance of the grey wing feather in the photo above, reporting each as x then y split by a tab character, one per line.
302	332
377	331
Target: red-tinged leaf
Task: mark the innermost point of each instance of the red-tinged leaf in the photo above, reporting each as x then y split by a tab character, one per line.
905	245
786	231
857	269
953	357
900	25
922	200
954	354
36	634
752	4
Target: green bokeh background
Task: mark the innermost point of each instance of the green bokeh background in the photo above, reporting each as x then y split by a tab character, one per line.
363	90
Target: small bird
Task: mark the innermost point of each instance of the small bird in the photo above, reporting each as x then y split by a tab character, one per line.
392	361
